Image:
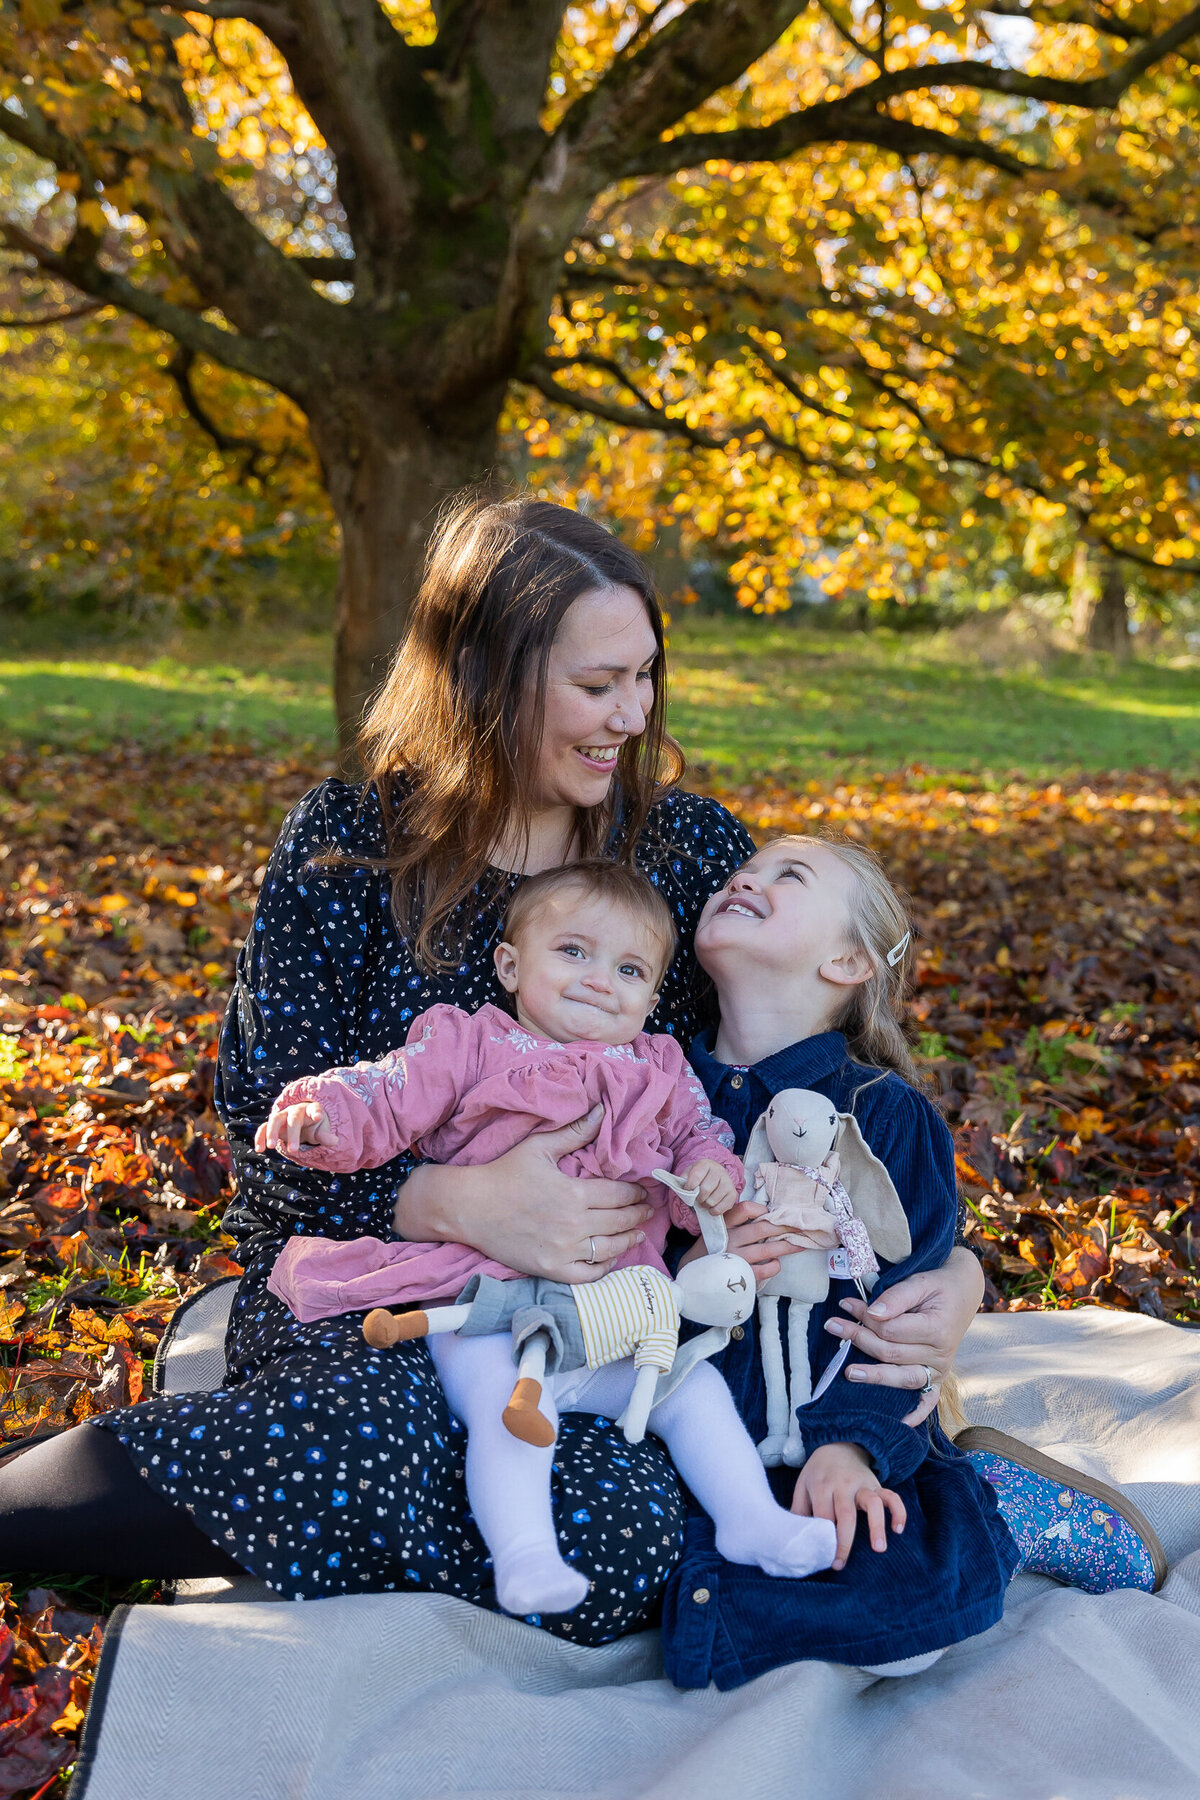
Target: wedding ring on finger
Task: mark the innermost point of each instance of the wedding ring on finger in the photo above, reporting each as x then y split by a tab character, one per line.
592	1250
930	1379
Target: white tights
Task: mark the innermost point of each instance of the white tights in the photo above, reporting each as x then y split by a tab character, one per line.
508	1481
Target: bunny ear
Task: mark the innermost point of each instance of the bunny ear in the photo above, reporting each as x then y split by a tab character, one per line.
757	1151
872	1194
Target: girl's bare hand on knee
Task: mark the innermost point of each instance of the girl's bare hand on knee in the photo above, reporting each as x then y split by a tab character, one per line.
837	1483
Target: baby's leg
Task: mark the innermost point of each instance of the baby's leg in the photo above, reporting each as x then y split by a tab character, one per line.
508	1482
714	1453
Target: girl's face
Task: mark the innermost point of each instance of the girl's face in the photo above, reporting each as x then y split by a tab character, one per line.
582	970
785	912
599	690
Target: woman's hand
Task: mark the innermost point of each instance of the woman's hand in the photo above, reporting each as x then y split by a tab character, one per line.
523	1211
753	1237
914	1329
837	1482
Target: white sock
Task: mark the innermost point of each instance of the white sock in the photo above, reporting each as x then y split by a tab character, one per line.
713	1452
508	1481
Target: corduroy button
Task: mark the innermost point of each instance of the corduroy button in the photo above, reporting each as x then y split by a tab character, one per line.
735	1081
737	1333
701	1596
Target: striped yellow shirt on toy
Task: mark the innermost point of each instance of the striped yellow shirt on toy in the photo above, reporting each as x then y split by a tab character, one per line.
632	1312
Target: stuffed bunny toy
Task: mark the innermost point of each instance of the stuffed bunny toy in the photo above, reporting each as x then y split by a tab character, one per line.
834	1198
716	1290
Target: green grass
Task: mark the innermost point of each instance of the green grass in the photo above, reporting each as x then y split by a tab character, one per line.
750	700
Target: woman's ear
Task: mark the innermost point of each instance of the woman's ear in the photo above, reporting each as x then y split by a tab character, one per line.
506	967
850	969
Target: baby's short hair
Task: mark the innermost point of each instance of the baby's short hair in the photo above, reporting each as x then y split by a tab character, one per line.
599	879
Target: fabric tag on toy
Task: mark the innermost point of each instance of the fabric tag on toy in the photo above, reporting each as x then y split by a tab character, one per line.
839	1264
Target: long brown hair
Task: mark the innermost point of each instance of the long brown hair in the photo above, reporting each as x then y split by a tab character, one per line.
459	718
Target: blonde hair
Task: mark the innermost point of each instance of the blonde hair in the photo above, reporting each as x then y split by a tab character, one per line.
881	928
598	879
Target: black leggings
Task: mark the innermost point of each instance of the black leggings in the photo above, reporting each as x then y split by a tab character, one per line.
75	1505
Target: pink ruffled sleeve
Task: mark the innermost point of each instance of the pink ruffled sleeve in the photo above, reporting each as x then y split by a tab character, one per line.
379	1109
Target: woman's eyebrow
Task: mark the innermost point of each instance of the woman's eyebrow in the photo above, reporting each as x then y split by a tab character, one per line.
617	668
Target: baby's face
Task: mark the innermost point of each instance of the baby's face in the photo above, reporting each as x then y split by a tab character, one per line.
582	969
785	911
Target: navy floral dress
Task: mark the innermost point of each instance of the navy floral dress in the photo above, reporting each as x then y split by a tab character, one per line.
323	1466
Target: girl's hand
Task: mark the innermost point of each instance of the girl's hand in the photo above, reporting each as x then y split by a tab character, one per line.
753	1237
290	1126
914	1329
837	1482
715	1190
523	1211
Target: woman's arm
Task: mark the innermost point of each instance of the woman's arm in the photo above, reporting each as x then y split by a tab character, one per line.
915	1327
294	993
522	1210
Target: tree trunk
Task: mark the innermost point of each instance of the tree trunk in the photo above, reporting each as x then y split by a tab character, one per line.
386	479
1109	626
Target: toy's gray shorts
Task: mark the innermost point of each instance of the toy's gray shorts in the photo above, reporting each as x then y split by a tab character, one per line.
522	1306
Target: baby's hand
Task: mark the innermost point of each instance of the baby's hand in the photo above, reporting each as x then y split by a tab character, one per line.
837	1482
715	1190
290	1126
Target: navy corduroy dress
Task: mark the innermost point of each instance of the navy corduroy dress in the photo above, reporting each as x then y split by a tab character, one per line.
944	1578
325	1467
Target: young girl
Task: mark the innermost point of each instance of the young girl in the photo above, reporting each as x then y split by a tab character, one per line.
585	950
810	950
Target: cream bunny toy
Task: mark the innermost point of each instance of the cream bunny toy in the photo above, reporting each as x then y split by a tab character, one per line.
834	1197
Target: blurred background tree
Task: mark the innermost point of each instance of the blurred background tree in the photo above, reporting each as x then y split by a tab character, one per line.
810	292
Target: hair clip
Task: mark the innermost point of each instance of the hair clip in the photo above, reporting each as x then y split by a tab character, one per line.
895	954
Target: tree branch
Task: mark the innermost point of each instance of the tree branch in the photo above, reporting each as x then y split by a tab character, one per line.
25	322
856	116
325	268
844	32
86	273
179	368
650	416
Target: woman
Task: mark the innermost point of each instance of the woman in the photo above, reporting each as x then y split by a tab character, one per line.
521	727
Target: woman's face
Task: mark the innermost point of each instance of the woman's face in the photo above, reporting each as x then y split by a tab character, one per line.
599	691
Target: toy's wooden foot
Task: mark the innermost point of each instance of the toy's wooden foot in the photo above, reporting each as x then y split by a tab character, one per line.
771	1451
382	1328
524	1417
794	1454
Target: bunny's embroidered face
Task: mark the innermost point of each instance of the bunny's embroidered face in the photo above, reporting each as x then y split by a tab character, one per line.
802	1127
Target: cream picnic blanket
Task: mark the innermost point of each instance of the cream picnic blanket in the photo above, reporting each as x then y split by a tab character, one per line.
408	1697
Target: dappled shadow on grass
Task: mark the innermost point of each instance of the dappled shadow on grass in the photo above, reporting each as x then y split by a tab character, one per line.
788	709
88	707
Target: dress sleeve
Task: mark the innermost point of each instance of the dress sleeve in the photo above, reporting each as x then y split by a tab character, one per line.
291	1010
378	1109
912	1141
690	1131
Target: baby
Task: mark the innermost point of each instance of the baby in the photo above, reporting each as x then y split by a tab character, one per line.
585	950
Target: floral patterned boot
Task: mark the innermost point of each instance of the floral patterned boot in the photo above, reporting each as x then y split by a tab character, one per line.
1067	1525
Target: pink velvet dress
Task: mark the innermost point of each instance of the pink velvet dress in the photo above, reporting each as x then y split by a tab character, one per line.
465	1088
